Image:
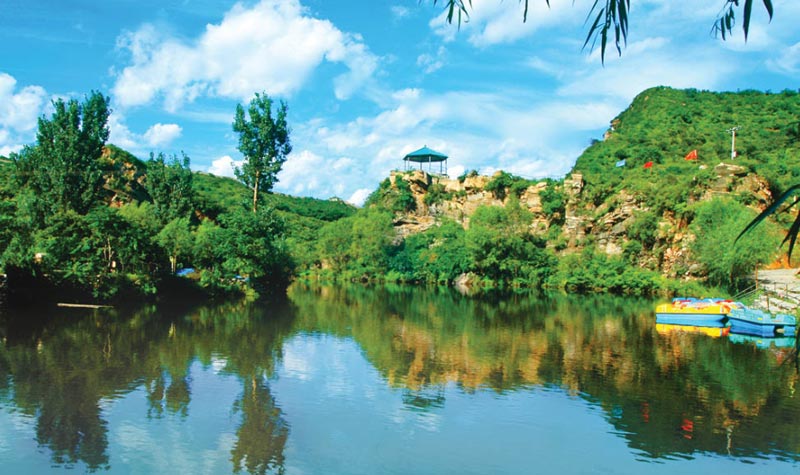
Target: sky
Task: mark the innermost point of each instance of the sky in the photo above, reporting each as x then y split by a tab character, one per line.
368	81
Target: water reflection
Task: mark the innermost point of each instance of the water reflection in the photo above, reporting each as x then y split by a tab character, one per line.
667	394
670	394
60	369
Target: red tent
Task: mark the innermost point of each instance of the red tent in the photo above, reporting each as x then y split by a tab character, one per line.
691	155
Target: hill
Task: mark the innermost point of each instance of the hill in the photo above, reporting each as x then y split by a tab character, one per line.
659	193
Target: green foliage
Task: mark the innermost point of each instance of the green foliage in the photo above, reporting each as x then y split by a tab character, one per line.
499	184
176	239
436	255
663	125
62	170
357	246
123	174
644	228
56	224
503	183
170	187
396	197
253	245
264	142
436	194
502	247
716	226
553	201
594	271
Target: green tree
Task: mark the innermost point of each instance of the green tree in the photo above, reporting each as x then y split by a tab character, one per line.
254	246
726	260
169	185
502	247
63	170
609	19
264	142
177	240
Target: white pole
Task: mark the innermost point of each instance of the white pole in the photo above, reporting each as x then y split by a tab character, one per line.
733	130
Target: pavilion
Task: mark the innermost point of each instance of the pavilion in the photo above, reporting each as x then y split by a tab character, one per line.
426	155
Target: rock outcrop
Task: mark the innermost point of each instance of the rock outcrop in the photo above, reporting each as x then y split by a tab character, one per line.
607	227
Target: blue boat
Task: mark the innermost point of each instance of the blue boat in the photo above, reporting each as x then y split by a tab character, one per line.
762	342
752	321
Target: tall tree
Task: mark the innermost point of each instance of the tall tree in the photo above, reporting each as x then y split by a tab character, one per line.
63	169
264	142
170	187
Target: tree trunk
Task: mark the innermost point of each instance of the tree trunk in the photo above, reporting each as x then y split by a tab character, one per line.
255	191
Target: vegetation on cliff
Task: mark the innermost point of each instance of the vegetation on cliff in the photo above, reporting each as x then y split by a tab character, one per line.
654	207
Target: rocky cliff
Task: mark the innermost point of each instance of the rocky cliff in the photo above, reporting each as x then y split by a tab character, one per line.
609	226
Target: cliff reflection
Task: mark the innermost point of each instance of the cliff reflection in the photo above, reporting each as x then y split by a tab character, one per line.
672	394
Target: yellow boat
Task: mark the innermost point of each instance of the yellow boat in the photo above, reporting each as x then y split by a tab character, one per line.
716	332
706	312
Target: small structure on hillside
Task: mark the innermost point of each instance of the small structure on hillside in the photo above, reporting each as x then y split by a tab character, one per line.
426	155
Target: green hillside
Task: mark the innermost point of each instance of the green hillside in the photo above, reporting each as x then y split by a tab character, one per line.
663	125
633	216
302	217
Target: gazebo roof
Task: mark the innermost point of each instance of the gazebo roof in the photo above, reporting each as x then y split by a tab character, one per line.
425	155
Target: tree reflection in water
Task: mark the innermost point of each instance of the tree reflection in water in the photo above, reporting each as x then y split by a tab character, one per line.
261	438
59	367
669	396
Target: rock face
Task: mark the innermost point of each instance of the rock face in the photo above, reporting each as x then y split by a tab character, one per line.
608	227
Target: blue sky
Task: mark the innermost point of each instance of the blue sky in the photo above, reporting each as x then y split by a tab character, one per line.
368	81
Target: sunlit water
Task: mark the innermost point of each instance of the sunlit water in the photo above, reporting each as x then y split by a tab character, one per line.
402	381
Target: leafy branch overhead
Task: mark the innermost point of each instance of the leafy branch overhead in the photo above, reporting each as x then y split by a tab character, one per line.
774	208
609	19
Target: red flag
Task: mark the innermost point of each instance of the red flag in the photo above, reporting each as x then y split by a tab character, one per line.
648	165
691	155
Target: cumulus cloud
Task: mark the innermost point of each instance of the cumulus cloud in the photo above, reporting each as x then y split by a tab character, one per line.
303	173
359	197
162	134
158	135
19	111
272	46
224	166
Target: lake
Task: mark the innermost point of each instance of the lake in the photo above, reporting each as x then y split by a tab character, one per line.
357	380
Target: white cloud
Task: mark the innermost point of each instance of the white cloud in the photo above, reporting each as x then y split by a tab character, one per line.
788	60
400	12
648	63
272	46
493	22
359	196
157	135
19	111
303	173
120	135
224	166
431	63
162	134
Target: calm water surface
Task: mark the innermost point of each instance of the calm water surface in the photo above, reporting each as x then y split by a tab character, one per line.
348	380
